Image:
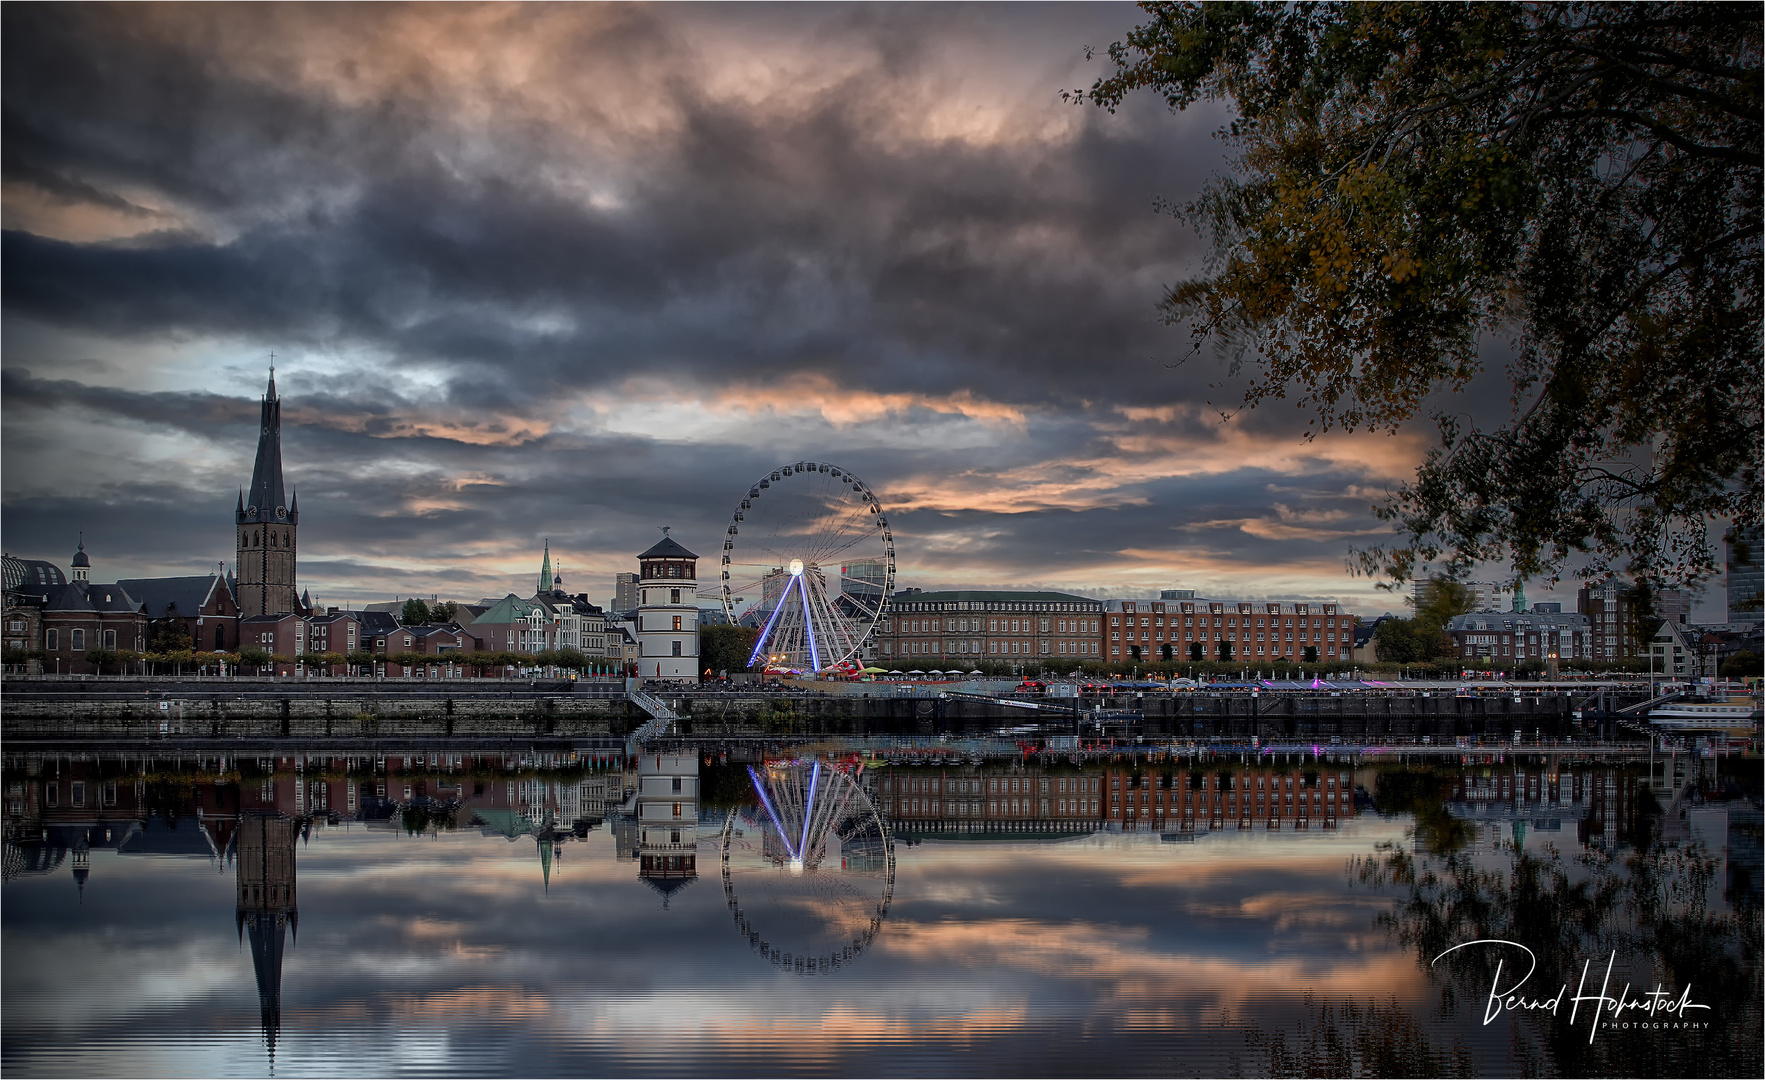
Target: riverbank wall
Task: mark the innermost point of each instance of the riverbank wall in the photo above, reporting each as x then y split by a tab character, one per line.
348	708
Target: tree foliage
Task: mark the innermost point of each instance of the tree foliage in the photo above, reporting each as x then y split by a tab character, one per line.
1414	179
1423	637
415	612
727	648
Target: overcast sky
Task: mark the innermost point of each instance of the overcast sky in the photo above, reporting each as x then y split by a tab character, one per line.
577	271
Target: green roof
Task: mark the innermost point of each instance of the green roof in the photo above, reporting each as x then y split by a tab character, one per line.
510	608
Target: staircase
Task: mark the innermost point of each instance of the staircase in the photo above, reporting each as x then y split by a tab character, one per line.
661	721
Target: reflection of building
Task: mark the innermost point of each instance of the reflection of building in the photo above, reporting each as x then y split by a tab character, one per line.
1538	800
991	798
1011	799
1185	799
265	910
667	823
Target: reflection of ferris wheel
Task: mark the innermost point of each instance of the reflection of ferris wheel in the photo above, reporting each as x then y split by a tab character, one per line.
809	872
809	557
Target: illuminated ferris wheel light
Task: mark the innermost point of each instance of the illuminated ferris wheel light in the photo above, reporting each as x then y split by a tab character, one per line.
796	567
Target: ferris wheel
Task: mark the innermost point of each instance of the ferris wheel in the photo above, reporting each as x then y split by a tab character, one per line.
809	558
809	872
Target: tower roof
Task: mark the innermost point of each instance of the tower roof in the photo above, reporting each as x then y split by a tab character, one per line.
667	548
80	556
265	500
545	571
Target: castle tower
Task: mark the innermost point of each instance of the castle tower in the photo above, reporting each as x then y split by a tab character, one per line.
267	524
82	563
266	910
668	612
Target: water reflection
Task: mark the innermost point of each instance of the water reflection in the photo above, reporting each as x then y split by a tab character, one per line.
813	893
266	910
533	914
1637	890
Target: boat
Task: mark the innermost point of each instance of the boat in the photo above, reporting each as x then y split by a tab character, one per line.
1703	715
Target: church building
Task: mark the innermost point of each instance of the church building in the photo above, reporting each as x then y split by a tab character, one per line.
267	525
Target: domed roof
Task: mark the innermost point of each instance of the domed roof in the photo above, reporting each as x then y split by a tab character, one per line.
80	558
22	573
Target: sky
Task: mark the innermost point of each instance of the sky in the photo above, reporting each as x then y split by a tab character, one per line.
571	273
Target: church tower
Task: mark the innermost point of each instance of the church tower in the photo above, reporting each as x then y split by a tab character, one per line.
267	524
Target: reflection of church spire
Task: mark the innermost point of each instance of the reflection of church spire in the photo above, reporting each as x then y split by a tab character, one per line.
547	850
82	865
266	910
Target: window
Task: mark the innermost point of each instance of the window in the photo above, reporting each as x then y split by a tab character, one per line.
51	639
79	793
676	648
674	598
677	622
52	793
110	639
79	639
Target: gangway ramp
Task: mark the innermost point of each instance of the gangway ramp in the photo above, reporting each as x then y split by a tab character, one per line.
1013	703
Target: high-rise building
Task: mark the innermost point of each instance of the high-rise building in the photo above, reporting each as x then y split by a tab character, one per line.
624	593
1746	584
864	578
267	524
1485	595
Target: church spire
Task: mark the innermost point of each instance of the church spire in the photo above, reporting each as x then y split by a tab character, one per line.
545	572
267	502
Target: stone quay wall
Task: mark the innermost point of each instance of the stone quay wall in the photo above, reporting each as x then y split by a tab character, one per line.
348	708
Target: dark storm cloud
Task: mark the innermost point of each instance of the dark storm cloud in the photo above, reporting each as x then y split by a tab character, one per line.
574	272
949	264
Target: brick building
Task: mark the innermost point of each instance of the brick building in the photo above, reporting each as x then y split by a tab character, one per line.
1498	636
202	606
1193	630
920	629
83	616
